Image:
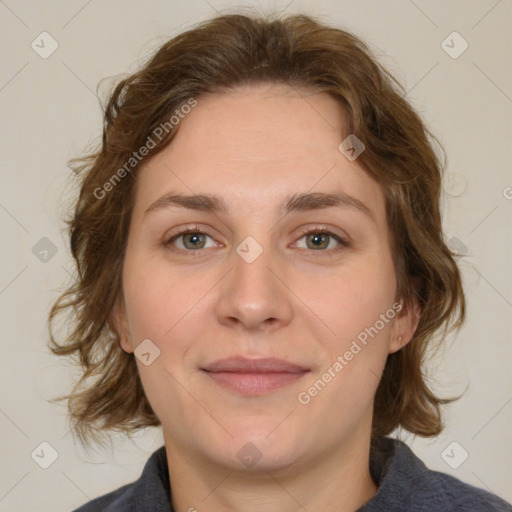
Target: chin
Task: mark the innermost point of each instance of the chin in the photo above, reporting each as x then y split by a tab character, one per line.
261	444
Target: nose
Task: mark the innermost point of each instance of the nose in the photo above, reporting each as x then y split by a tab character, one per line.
254	296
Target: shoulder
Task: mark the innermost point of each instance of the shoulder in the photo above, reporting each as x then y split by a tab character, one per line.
107	502
406	484
151	492
462	496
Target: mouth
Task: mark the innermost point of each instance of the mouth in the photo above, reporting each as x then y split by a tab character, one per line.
253	377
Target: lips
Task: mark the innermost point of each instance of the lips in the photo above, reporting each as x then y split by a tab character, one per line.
244	365
254	377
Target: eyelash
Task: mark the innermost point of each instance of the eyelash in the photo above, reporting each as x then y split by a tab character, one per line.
343	243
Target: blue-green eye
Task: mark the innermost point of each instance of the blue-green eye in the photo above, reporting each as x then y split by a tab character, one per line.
321	239
318	239
191	240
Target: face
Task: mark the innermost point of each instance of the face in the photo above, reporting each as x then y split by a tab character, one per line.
267	306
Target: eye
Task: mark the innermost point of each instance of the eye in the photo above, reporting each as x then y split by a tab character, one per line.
191	240
319	239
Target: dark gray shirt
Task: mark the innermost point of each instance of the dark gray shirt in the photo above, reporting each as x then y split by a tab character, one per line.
405	484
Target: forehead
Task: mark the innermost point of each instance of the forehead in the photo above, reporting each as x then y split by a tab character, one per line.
255	145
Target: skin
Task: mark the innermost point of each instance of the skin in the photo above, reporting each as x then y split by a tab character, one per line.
253	147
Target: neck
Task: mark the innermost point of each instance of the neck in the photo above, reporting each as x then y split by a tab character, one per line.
205	486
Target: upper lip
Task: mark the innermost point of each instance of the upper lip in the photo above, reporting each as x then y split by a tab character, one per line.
262	365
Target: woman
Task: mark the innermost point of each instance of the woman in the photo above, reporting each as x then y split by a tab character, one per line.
262	269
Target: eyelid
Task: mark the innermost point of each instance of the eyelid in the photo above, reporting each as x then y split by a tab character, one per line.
343	240
184	230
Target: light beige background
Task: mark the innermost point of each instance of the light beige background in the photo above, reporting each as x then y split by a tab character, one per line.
49	113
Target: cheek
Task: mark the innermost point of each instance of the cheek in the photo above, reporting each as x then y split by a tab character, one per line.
161	308
354	297
164	305
151	300
149	309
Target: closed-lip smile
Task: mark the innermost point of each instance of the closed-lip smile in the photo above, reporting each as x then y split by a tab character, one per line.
254	376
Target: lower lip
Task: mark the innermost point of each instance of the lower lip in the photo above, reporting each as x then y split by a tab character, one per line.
253	384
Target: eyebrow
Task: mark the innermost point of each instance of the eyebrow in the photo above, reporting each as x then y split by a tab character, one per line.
298	202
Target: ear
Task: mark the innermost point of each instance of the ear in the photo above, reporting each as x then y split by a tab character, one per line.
405	325
119	322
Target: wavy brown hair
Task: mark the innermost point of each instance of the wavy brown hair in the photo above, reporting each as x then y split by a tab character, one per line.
401	154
